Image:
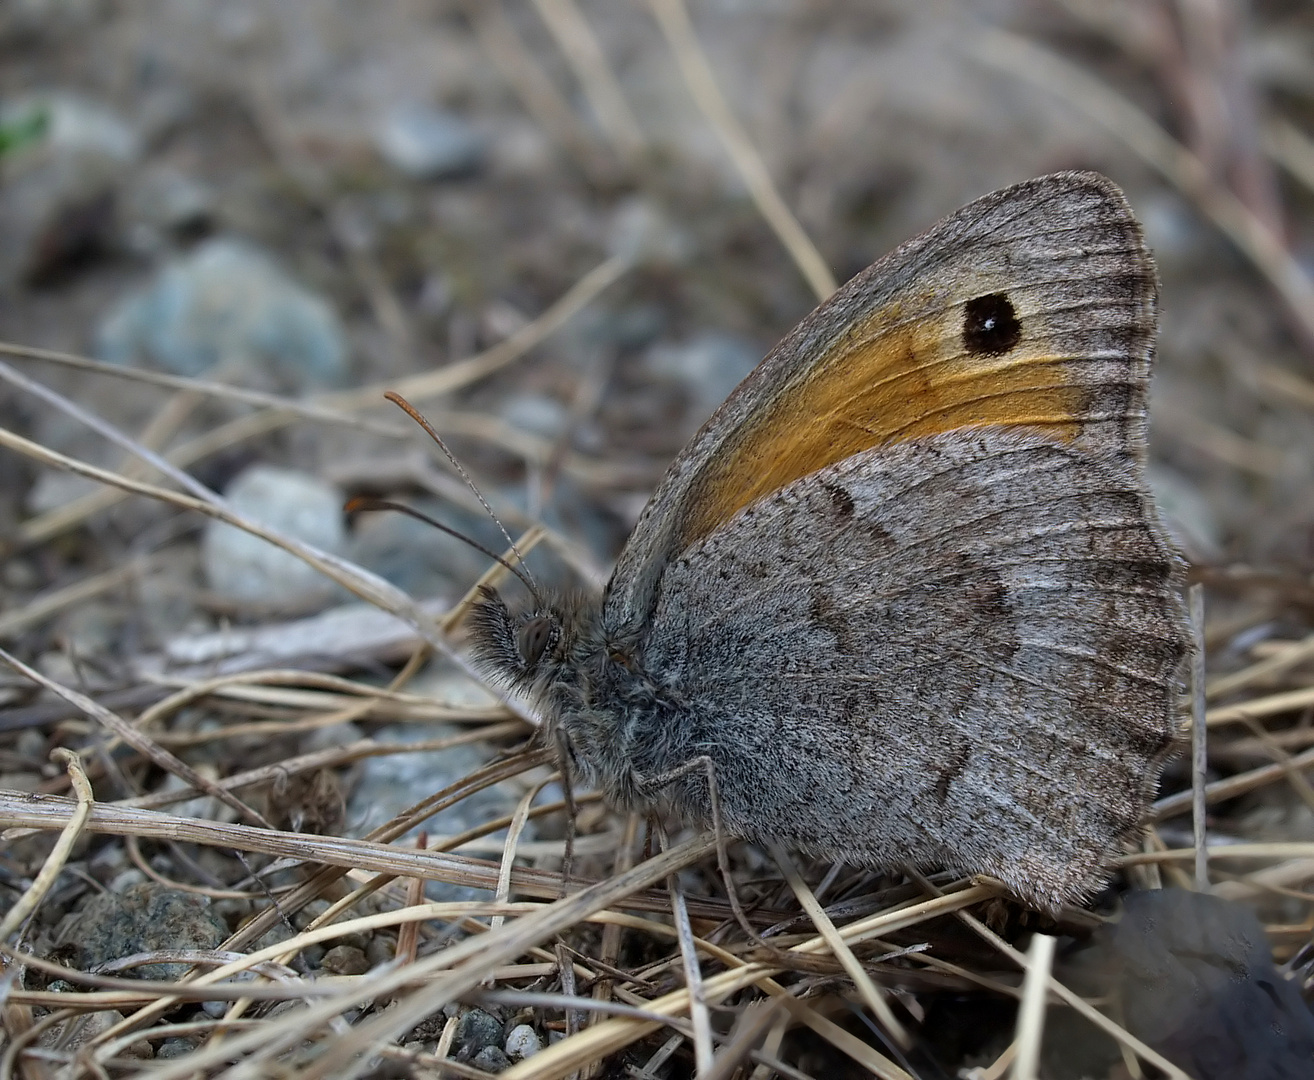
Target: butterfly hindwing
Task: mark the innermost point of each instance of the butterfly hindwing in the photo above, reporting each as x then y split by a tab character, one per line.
911	655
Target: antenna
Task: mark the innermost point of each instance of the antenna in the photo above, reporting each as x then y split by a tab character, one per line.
365	503
415	415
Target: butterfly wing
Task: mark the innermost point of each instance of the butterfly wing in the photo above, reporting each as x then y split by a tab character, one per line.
908	583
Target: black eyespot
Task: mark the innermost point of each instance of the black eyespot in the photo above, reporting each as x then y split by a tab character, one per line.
990	325
534	638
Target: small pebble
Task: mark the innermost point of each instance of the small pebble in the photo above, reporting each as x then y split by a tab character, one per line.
245	568
388	784
641	232
429	144
1195	978
491	1059
175	1048
535	414
145	917
228	303
416	557
63	172
476	1031
522	1042
77	1031
74	123
345	960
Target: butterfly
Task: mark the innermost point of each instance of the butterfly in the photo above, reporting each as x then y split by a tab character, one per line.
906	594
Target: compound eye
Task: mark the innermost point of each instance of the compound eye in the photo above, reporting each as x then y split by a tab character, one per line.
535	636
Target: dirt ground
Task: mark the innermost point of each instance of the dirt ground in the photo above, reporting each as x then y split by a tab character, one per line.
530	218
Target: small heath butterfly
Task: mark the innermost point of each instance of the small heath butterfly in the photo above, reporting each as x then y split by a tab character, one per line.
906	590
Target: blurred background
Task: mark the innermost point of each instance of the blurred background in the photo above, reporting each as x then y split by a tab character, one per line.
566	229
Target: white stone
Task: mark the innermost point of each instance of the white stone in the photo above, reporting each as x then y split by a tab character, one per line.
521	1042
247	568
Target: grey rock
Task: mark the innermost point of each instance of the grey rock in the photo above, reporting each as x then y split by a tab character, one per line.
491	1059
536	414
637	326
175	1048
165	203
55	488
1193	976
345	960
76	1032
143	918
429	144
70	122
476	1031
522	1041
641	232
246	568
418	558
228	303
388	785
128	878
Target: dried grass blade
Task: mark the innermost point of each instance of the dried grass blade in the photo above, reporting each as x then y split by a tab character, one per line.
839	948
347	1056
31	899
1031	1016
583	52
137	740
673	17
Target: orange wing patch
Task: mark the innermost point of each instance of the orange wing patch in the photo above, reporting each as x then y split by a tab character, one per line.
878	386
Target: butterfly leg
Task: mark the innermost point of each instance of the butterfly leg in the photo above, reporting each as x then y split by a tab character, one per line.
568	795
653	786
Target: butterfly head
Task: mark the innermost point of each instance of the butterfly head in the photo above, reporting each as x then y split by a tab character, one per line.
532	651
587	687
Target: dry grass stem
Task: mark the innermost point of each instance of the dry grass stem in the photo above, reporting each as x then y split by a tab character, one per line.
27	904
1031	1015
673	17
870	994
1124	1037
581	48
498	37
1199	739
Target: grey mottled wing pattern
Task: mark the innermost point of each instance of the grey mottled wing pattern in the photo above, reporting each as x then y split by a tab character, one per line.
958	651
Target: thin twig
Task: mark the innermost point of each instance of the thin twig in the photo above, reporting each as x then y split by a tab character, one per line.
1075	1001
498	38
870	993
697	72
137	740
31	899
693	980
